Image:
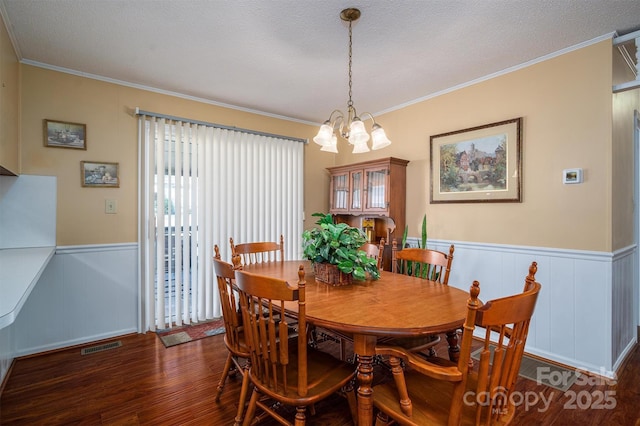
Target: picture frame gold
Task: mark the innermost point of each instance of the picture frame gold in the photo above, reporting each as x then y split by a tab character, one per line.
99	174
64	134
480	164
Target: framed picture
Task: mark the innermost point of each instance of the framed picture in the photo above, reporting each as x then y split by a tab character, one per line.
99	174
61	134
477	165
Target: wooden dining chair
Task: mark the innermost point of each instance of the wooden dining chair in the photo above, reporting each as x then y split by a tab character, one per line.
375	251
259	252
234	338
428	264
424	263
285	370
439	392
256	252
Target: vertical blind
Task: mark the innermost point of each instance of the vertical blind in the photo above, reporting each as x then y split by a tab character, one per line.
201	184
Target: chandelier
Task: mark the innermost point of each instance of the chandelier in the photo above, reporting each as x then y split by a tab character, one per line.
350	126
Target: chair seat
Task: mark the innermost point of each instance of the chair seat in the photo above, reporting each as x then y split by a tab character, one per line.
432	406
240	350
325	375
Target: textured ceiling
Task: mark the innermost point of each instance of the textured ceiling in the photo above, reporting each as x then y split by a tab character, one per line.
289	57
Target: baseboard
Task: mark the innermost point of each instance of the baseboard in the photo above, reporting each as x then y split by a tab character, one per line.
479	338
70	344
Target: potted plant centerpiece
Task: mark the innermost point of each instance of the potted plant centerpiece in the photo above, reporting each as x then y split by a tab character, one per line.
334	250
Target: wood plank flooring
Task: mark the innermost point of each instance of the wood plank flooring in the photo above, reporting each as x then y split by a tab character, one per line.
144	383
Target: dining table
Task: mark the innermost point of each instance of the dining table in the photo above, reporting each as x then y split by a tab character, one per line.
395	305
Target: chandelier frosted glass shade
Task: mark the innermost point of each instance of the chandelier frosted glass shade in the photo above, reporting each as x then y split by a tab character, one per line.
323	138
332	146
379	138
360	148
357	133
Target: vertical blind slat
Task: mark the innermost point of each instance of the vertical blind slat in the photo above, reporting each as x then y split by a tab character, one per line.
179	223
160	232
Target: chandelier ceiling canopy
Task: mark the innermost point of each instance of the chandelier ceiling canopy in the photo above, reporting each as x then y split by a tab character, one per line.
350	125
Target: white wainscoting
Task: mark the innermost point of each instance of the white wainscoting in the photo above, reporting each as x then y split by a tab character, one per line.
86	293
584	315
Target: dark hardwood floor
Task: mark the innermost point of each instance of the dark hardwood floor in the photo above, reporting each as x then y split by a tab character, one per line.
144	383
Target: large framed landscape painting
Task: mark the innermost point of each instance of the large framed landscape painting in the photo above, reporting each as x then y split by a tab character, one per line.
477	165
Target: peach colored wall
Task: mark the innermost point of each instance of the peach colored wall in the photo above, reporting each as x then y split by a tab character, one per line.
107	110
565	102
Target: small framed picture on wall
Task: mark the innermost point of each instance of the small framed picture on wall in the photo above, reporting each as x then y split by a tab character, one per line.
62	134
98	174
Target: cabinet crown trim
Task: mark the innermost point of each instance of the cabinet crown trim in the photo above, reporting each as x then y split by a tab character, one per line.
387	160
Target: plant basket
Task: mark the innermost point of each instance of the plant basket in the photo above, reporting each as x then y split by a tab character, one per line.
330	274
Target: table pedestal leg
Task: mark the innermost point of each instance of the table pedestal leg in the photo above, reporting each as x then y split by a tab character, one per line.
365	349
454	349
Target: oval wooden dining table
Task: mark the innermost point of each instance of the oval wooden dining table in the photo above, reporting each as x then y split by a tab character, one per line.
395	305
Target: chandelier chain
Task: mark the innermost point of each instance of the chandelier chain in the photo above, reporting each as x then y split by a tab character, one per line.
350	103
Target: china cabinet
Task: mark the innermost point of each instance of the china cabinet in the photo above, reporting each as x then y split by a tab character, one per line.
371	195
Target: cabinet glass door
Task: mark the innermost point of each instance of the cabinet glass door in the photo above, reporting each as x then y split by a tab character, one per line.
356	190
340	194
376	198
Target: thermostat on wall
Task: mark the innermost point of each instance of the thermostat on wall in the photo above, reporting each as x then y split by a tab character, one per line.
572	176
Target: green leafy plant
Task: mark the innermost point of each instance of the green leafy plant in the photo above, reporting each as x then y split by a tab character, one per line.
339	244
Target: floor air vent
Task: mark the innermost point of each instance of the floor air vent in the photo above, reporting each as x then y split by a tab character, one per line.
100	348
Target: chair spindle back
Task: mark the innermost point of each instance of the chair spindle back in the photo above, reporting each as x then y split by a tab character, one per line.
256	252
422	263
266	335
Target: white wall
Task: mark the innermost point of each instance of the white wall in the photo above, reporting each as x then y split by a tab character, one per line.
27	211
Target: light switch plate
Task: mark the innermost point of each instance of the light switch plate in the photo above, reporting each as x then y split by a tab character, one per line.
110	206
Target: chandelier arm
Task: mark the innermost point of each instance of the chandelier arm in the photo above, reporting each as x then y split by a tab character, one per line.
364	116
340	120
334	120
